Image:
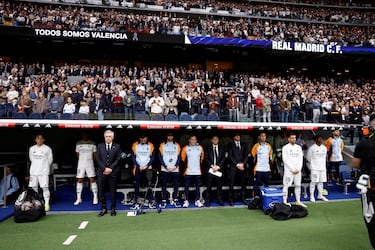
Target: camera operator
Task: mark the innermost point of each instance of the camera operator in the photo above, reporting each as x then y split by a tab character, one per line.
364	158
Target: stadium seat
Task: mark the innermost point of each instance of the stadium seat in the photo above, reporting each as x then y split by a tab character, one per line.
19	115
347	177
51	116
66	116
142	117
157	117
171	117
81	116
36	116
185	117
213	117
199	117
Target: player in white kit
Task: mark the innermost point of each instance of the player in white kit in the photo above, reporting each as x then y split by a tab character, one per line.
86	153
317	158
292	155
41	158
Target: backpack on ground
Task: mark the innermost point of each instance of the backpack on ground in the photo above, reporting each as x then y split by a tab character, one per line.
255	203
29	207
284	212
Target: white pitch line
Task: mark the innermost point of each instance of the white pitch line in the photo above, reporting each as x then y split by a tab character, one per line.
83	224
69	240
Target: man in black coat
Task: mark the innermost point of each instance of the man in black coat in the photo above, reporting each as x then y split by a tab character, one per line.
214	159
238	156
108	156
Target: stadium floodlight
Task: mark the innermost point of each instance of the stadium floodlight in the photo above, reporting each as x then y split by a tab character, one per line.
270	128
199	127
129	127
119	126
26	125
261	128
341	128
278	128
48	126
208	127
189	127
325	128
37	125
109	126
333	128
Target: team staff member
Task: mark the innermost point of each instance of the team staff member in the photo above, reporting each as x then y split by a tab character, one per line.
86	154
238	156
192	155
317	158
214	158
293	160
108	158
41	159
335	146
169	156
143	156
262	154
364	158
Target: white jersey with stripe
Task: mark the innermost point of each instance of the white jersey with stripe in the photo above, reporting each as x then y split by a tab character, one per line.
85	149
41	159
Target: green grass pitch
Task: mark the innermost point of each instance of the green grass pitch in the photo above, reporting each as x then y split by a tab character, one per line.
333	225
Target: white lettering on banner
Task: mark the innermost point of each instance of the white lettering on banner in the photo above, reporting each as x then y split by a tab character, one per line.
47	32
281	45
76	34
331	48
309	47
81	34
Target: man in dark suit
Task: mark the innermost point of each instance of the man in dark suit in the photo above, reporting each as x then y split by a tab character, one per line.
214	158
238	156
108	156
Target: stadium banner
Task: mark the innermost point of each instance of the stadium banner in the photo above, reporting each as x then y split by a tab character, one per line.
12	31
331	48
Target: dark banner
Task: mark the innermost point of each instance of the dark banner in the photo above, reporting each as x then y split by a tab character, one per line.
88	35
331	48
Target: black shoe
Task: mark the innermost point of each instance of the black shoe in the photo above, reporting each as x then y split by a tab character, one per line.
102	212
208	203
113	212
231	203
221	203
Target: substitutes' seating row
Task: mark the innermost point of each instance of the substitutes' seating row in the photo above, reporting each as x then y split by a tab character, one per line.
49	116
174	117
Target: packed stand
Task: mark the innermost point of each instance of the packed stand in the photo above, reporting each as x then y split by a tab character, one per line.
275	28
166	93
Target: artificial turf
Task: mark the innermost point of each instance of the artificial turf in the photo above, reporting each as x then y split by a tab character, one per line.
332	225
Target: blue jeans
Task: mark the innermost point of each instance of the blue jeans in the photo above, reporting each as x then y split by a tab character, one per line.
129	111
284	116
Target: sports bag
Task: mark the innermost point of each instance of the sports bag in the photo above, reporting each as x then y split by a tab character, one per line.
29	207
284	212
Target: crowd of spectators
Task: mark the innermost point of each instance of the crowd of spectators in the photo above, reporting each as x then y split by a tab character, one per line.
277	27
103	91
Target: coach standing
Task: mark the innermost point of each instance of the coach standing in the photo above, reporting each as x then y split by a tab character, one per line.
108	156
